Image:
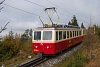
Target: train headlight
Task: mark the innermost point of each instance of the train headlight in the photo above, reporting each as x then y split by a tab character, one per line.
47	46
36	46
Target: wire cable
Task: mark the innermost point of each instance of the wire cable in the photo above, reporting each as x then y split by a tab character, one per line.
45	7
61	8
23	10
34	3
58	6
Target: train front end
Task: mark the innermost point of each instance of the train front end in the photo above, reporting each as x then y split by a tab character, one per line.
43	41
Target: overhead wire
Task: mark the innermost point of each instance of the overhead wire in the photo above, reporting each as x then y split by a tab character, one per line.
34	3
58	6
23	10
26	11
61	8
45	7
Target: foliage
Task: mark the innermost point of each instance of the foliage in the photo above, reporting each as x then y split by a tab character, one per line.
76	62
69	23
10	46
97	28
14	44
25	37
73	21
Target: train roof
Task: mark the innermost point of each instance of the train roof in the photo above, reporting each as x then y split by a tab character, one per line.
59	27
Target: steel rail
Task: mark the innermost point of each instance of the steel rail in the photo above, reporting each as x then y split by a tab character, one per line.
33	63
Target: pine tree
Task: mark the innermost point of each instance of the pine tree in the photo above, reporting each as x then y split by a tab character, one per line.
74	21
69	23
82	25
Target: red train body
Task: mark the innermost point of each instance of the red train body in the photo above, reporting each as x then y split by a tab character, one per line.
52	40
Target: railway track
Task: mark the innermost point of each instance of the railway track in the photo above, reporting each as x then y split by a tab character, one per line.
34	63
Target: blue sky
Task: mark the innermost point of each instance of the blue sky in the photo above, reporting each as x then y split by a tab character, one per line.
20	21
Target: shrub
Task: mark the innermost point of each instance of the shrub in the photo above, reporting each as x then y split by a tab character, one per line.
9	47
77	61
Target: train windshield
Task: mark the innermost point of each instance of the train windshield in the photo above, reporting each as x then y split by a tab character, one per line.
37	35
47	35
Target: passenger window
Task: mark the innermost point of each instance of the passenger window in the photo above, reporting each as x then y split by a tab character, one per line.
73	33
60	35
56	35
67	34
70	34
37	35
47	35
77	33
64	34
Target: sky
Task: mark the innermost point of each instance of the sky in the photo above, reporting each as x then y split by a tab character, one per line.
24	14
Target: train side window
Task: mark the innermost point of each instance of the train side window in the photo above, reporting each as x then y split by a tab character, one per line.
37	35
47	35
70	34
64	34
60	35
77	33
56	35
67	34
73	33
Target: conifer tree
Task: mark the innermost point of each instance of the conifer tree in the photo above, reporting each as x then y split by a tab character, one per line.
74	21
82	25
69	23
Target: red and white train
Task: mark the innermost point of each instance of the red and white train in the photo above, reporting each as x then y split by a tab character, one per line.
50	40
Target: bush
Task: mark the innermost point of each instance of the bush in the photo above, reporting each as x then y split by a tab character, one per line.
9	47
77	61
